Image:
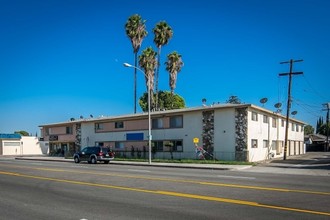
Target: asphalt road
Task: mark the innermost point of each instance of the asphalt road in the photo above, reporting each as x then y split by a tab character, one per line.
53	190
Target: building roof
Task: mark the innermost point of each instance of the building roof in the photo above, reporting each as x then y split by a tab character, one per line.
10	136
317	137
170	112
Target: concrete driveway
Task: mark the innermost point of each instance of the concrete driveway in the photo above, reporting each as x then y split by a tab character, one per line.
311	163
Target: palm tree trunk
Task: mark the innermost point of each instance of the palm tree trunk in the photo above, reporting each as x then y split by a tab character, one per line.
135	80
157	76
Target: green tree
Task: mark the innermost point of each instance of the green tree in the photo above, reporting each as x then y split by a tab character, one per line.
136	31
167	101
319	123
308	129
23	133
148	62
233	100
323	129
162	34
174	65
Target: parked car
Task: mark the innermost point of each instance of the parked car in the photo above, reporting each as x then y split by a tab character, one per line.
94	154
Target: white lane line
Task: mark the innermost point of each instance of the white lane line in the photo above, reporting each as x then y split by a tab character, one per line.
140	171
237	177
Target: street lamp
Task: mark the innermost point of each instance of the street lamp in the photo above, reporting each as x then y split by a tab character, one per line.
149	118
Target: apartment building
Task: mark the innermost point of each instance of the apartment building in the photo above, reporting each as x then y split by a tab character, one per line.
242	132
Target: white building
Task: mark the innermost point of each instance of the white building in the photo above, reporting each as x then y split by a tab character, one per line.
241	132
17	145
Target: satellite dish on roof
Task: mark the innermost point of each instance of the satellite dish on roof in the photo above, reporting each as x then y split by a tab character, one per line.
204	101
278	105
294	113
263	101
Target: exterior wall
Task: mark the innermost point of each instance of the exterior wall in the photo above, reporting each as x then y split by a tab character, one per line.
224	134
261	131
192	127
31	146
25	146
60	142
225	131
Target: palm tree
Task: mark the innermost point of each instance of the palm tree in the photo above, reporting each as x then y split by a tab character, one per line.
163	33
148	62
136	31
174	65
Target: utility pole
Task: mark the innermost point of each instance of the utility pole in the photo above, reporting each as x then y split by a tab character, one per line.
288	106
327	105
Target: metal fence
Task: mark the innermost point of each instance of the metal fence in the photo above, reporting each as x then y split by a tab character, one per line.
217	155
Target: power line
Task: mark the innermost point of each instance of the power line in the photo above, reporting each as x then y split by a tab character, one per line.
315	92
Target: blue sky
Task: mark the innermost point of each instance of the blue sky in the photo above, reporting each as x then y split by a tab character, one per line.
63	58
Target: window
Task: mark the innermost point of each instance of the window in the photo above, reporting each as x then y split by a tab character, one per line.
297	128
173	145
274	125
157	123
176	122
158	146
265	143
119	124
68	130
47	130
254	143
119	145
168	146
265	119
98	126
293	127
282	122
273	145
254	116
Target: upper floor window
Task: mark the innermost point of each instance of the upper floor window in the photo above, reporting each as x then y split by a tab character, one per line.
297	127
293	127
98	126
254	116
119	124
265	119
157	123
47	131
274	125
176	121
68	130
282	122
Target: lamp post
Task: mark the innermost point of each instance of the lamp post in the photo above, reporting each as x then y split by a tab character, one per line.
149	118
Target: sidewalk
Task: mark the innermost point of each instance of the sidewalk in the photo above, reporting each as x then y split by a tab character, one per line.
153	164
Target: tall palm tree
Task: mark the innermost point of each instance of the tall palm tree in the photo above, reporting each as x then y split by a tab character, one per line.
174	65
163	33
148	62
136	30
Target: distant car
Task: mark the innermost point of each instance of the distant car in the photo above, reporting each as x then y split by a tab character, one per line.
94	154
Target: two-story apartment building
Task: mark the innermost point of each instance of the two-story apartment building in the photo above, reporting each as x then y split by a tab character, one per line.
242	132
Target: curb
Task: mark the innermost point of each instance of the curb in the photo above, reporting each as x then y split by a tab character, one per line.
139	164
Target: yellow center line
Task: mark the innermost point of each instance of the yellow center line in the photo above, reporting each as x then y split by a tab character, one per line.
178	180
169	193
